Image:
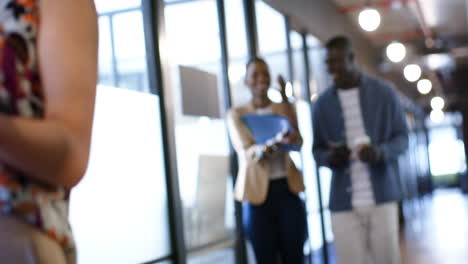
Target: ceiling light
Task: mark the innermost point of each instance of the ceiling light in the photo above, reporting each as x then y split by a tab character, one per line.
412	72
437	103
424	86
369	19
396	51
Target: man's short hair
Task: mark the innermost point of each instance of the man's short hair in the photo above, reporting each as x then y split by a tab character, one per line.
341	42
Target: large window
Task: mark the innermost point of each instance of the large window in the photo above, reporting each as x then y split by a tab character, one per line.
122	57
119	210
320	78
200	131
446	150
272	37
318	83
308	165
272	44
237	47
103	6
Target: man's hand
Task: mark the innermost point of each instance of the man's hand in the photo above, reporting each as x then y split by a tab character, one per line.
339	156
369	154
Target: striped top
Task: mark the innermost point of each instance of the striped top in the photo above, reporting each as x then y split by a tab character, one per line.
362	193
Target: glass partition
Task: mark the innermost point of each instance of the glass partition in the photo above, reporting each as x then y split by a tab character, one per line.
119	211
201	138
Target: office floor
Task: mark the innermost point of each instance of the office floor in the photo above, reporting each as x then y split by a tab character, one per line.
436	231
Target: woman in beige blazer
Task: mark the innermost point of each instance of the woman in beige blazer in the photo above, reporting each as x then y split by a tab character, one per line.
268	181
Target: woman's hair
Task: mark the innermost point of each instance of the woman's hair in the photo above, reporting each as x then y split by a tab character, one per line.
253	60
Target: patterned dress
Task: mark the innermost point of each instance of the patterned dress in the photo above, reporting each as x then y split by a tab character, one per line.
21	95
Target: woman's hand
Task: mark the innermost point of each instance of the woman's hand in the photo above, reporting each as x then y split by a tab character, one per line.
290	138
282	85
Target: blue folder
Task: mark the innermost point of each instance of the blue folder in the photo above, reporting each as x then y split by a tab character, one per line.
266	127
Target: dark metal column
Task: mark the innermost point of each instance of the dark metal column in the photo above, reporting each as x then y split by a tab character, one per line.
464	177
289	50
251	27
153	15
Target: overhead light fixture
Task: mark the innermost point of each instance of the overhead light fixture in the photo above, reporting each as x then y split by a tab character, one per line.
412	72
437	103
424	86
369	19
437	116
396	52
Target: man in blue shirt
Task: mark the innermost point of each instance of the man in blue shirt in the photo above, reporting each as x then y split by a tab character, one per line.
359	132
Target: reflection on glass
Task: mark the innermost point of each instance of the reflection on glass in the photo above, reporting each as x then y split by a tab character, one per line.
200	131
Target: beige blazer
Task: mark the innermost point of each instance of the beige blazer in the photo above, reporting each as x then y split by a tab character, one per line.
254	173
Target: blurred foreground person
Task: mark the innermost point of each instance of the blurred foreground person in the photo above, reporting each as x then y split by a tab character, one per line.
48	60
